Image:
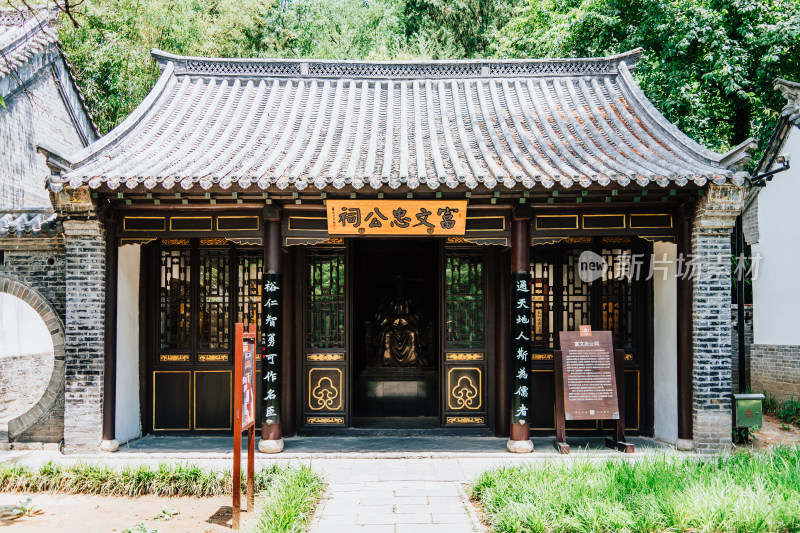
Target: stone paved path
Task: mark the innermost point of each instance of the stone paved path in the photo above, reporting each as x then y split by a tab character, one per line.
393	507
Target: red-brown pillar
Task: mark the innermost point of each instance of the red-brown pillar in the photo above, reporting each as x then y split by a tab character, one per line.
503	347
520	328
109	442
271	335
684	305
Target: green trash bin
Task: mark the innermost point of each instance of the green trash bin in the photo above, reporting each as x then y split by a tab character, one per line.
747	409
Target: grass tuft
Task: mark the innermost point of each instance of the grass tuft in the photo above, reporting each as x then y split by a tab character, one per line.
289	501
164	480
744	492
788	411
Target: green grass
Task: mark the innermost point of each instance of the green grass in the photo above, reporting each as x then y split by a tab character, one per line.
163	480
788	411
289	501
743	492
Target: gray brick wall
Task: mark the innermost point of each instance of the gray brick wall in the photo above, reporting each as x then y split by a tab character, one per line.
775	369
711	314
29	260
43	422
85	292
23	378
712	342
38	262
35	116
750	221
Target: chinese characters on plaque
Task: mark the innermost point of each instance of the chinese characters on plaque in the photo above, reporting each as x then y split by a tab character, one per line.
396	217
270	347
590	385
248	381
521	346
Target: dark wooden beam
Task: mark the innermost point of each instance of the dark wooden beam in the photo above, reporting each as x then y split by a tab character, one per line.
502	357
110	341
685	327
270	430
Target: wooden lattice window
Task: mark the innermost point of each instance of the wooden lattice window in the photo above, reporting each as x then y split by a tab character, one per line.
175	300
325	299
248	301
464	300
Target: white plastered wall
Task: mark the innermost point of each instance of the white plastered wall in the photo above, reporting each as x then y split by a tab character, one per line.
665	342
776	294
128	416
22	330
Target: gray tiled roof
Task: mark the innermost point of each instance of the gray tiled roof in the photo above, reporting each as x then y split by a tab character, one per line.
301	123
29	222
23	34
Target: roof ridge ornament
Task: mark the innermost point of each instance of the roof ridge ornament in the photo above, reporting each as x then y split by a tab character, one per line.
405	69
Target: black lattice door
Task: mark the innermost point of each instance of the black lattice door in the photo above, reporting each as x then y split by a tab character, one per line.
201	292
464	379
324	339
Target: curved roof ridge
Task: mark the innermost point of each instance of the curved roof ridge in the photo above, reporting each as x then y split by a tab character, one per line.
109	140
414	69
736	157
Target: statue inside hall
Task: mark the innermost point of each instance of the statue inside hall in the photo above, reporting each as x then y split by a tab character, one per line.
399	339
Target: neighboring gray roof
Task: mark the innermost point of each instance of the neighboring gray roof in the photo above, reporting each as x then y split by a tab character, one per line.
22	35
29	222
790	116
301	123
791	91
28	44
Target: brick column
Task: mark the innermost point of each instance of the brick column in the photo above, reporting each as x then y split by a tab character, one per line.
84	334
711	316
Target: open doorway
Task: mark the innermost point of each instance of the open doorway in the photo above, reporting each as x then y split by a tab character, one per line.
395	358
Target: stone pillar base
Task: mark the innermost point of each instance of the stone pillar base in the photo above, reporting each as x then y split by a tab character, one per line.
109	446
684	445
270	446
519	446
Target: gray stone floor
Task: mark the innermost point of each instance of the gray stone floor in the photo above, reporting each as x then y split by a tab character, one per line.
375	485
327	446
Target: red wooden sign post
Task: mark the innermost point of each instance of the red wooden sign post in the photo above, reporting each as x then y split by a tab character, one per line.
244	414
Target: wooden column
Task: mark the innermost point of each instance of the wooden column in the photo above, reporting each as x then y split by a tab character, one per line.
288	421
520	328
271	335
109	442
685	332
503	348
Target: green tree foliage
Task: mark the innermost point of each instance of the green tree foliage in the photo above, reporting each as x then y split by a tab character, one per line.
110	49
708	65
464	28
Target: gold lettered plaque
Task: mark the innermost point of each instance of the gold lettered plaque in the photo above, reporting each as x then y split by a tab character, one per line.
397	217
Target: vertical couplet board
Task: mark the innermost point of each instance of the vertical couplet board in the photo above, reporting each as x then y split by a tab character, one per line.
270	348
589	383
521	347
244	413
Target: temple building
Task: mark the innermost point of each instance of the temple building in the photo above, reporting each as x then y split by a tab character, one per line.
377	222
